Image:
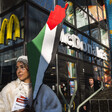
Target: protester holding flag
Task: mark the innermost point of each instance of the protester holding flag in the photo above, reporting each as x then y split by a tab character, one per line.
17	95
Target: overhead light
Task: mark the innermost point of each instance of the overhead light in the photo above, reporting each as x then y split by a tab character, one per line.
12	59
51	74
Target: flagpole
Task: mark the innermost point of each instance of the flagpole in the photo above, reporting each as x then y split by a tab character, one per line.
57	77
55	3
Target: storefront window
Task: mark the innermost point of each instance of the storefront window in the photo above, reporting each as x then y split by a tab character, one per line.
67	69
11	43
8	65
67	50
67	76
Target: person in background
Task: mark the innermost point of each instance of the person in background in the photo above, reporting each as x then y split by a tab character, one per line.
17	95
89	91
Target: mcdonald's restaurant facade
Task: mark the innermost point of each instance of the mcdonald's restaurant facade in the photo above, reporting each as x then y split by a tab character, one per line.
84	48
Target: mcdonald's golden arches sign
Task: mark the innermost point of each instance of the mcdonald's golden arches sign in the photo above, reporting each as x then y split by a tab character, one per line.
7	29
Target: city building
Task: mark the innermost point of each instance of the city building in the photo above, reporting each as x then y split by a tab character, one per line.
84	48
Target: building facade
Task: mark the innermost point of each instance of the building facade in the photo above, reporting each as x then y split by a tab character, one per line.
84	49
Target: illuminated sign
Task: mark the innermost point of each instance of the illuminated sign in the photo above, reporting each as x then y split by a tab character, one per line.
7	29
75	42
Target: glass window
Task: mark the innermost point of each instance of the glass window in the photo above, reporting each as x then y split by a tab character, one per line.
74	44
92	7
61	3
107	77
67	69
36	23
106	63
50	76
79	55
82	3
94	60
99	62
93	11
62	48
95	32
48	4
8	65
70	13
100	13
104	37
83	38
82	20
66	50
7	4
86	57
104	11
98	73
67	76
101	2
94	44
91	20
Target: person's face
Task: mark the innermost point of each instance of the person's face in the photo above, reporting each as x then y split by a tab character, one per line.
91	81
22	72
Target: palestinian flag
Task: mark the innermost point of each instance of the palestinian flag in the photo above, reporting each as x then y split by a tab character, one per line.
42	49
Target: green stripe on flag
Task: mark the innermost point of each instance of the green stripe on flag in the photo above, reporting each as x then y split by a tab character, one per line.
34	52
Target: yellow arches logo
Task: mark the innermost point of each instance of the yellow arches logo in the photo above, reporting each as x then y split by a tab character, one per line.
7	29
